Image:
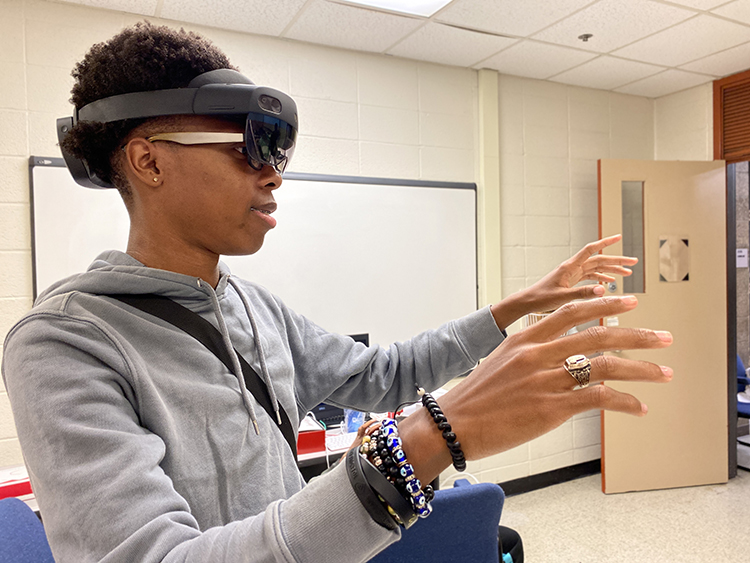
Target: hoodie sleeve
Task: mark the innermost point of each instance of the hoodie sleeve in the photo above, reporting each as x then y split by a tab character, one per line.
97	475
335	369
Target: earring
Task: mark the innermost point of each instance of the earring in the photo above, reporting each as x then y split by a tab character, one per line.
156	179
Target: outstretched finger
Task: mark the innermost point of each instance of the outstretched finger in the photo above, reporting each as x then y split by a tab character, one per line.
613	368
578	313
601	397
604	339
607	263
593	248
609	269
598	277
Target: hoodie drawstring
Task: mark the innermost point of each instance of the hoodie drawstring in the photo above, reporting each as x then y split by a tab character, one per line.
232	354
261	354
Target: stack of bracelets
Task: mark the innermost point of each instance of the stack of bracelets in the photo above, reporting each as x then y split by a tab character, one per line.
381	463
382	448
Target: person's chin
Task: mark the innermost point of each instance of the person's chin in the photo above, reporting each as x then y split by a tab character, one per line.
245	249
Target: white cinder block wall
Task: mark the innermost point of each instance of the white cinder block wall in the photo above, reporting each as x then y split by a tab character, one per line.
684	125
368	115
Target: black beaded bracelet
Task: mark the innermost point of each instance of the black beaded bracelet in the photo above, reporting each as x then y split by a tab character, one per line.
454	446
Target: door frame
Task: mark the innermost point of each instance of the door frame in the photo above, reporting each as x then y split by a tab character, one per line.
731	195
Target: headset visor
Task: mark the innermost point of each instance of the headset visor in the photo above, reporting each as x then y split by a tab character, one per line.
269	140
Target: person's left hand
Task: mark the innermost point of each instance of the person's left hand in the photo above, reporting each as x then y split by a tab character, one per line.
558	287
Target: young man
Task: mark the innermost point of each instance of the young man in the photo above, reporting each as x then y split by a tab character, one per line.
142	446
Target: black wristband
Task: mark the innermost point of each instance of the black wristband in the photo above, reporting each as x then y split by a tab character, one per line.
364	492
390	494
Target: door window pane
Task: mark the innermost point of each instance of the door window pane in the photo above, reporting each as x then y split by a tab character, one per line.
632	234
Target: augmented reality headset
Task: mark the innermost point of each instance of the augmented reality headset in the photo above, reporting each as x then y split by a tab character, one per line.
270	117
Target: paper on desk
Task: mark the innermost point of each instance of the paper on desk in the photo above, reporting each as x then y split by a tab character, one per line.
13	474
309	423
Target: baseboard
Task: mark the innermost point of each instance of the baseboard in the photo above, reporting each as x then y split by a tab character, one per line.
542	480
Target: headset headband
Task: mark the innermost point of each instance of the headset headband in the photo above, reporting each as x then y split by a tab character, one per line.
221	92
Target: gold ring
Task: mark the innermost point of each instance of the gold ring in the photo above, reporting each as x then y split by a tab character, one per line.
579	366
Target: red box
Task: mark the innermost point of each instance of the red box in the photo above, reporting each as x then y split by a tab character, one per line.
14	482
311	441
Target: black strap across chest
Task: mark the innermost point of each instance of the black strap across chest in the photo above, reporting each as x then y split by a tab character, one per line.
205	333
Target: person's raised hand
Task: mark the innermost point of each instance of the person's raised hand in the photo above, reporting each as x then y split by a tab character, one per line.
522	389
559	286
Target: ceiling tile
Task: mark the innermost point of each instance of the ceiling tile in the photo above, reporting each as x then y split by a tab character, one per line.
449	45
606	73
700	4
738	10
664	83
145	7
350	28
694	39
251	16
614	23
509	17
725	63
535	60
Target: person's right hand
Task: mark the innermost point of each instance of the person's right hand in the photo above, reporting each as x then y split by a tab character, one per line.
522	390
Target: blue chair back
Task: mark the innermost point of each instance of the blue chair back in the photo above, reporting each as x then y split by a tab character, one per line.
462	527
741	377
743	409
22	538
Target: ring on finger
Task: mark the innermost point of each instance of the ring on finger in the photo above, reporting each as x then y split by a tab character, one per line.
579	367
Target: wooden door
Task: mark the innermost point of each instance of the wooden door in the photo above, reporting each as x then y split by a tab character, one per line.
681	288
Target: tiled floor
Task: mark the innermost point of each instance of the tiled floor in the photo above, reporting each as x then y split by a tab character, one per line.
575	522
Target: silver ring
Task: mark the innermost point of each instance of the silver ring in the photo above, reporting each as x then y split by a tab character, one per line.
579	366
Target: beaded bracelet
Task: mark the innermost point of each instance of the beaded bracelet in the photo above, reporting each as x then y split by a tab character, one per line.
383	449
454	446
382	459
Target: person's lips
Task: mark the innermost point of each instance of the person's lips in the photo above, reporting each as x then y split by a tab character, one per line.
264	212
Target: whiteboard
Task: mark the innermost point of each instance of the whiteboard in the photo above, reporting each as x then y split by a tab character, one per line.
356	255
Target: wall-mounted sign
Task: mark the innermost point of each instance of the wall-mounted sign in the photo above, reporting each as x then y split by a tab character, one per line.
742	257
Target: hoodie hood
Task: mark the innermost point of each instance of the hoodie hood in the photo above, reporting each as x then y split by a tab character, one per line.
116	272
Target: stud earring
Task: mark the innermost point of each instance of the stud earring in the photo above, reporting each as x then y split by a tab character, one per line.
156	179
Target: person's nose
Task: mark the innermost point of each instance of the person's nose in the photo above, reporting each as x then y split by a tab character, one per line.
269	178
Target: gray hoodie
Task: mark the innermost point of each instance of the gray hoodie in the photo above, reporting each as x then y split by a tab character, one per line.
141	445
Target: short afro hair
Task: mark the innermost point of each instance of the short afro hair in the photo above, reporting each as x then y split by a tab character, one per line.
140	58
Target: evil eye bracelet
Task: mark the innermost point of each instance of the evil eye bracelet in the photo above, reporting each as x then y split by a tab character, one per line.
383	448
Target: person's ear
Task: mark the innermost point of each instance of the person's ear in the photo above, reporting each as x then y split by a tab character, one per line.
143	160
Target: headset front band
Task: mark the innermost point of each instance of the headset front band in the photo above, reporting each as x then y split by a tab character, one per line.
209	99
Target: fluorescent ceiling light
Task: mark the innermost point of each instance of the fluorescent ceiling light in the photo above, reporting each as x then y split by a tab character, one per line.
415	7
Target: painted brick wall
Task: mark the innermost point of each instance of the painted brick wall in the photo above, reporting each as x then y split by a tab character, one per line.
683	125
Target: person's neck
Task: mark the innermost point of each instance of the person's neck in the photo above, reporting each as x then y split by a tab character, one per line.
174	256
